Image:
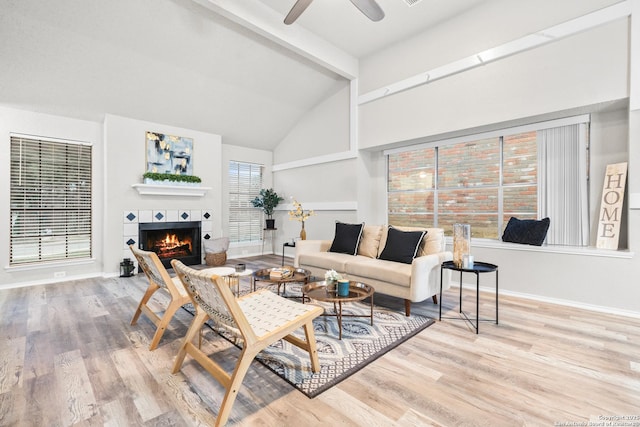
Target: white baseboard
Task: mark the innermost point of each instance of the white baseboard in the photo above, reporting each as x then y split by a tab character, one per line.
550	300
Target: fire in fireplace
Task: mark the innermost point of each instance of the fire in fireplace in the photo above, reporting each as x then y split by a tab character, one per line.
171	246
172	240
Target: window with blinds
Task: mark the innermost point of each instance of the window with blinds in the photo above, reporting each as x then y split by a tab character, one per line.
245	221
50	196
486	179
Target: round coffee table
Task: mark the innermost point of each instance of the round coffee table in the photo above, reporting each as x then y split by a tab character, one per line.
321	291
299	275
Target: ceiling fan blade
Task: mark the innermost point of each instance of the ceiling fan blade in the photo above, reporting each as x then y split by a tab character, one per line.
370	8
296	11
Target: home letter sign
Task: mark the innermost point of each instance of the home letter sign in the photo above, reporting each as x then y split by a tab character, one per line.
611	206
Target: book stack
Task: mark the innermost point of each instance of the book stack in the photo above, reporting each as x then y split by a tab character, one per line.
280	273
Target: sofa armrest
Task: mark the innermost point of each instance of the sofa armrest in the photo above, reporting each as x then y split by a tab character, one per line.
310	246
421	266
425	275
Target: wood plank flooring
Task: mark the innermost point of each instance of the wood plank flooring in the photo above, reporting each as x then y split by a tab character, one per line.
69	357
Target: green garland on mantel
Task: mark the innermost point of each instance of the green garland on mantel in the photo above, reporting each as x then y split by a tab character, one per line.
159	177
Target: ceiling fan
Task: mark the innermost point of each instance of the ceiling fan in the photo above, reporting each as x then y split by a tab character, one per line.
369	8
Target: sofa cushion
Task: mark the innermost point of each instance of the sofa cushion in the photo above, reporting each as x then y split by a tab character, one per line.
347	238
378	269
325	260
370	241
401	246
526	231
433	242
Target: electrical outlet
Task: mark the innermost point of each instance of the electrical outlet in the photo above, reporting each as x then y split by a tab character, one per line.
59	274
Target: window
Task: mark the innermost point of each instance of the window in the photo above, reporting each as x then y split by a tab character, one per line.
245	221
50	196
485	180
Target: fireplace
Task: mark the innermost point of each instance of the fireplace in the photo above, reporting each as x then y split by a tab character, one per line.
172	240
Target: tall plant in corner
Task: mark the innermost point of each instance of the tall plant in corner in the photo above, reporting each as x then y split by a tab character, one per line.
267	201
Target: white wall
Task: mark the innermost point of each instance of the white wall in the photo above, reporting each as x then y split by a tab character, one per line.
483	27
585	69
119	162
580	71
609	144
325	187
577	74
323	130
124	158
43	125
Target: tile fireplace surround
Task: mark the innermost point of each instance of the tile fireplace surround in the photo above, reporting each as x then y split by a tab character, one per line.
131	219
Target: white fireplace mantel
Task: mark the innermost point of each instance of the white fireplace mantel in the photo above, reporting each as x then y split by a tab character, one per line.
170	190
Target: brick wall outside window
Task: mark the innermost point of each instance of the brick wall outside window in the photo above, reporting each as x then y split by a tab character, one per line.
474	184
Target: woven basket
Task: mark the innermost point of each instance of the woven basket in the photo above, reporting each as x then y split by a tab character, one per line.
218	258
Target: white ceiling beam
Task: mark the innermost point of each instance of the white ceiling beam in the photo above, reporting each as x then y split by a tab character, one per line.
265	21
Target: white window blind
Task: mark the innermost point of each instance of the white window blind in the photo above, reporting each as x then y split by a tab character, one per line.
563	192
50	200
245	221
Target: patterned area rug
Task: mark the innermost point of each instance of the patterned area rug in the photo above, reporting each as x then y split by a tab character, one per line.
361	344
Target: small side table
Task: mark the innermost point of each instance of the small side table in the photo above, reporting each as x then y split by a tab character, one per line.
287	245
228	273
478	267
234	279
270	232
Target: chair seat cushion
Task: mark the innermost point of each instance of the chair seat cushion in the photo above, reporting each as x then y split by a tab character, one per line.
267	312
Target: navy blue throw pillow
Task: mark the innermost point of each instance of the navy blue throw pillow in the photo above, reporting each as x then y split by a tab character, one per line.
526	231
347	238
402	246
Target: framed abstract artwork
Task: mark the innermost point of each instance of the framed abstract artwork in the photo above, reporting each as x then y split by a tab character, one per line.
169	154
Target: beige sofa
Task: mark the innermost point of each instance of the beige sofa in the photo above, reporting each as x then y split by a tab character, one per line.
413	282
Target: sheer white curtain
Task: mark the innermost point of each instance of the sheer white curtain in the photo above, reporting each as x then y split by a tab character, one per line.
563	183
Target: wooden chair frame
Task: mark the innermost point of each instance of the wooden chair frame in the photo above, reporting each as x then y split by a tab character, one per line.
158	279
258	328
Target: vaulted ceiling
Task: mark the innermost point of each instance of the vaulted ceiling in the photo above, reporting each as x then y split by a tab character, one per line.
195	64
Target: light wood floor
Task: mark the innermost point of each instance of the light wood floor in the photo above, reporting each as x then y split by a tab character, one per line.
68	356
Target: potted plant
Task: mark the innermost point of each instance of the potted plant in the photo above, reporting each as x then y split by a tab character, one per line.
267	201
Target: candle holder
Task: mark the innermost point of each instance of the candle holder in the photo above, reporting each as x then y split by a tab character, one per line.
461	243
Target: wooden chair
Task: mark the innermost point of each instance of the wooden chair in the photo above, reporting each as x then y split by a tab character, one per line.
259	318
158	279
